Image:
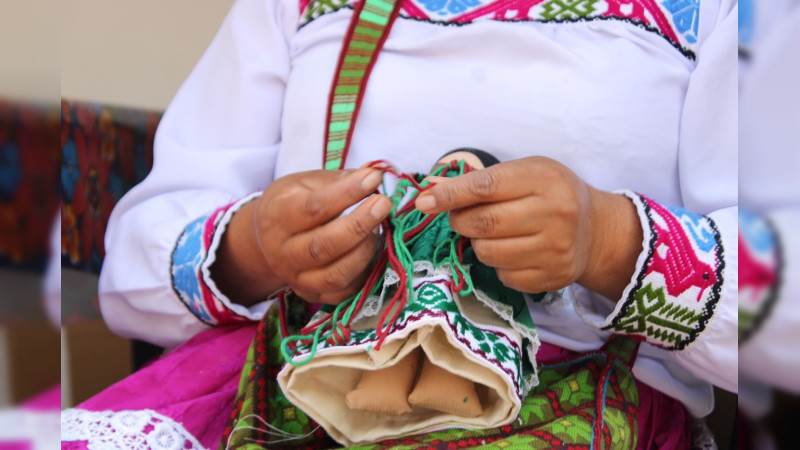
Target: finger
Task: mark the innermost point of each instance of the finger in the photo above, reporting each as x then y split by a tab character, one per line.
497	183
518	217
341	273
332	298
556	256
321	246
531	280
327	201
508	253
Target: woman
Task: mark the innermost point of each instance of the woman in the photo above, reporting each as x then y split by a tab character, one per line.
614	123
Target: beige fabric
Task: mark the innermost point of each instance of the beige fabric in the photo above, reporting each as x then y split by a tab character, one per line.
385	391
446	392
321	386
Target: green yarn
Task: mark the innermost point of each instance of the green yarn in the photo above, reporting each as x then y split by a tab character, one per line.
401	257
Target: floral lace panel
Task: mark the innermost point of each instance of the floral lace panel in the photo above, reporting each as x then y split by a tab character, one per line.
130	430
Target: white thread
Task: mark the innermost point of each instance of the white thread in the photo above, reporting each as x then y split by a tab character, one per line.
271	430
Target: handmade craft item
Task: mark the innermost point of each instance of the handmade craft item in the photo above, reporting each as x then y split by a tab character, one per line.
433	339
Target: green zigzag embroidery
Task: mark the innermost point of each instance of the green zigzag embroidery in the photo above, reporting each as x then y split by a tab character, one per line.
319	7
431	297
651	314
568	9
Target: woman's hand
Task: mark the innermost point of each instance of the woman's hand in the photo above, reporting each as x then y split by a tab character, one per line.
293	235
541	226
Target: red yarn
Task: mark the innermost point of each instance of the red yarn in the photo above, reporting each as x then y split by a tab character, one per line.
388	255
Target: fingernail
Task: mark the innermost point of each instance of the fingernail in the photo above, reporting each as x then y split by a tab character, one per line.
381	208
426	202
371	181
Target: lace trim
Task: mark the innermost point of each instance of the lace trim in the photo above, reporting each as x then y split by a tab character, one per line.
129	430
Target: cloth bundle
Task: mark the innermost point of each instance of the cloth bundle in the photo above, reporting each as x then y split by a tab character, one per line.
433	340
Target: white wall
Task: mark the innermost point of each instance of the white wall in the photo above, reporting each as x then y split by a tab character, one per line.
133	52
29	31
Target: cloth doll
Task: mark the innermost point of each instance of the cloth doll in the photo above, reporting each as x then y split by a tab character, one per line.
433	339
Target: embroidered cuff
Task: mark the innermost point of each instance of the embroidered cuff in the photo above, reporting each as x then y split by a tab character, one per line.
192	257
678	277
759	272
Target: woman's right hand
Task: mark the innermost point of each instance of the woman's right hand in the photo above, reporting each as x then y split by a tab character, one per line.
294	235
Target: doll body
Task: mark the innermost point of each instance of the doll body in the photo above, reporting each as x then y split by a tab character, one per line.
457	351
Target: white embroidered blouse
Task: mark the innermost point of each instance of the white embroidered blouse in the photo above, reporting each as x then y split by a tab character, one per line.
635	96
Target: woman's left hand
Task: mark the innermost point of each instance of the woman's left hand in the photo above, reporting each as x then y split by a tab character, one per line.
541	226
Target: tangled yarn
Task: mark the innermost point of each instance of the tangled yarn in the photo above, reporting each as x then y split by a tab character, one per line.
404	225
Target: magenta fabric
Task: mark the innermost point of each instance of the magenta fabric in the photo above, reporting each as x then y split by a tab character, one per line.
48	400
196	383
16	445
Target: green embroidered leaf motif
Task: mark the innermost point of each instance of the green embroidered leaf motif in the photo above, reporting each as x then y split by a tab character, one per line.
319	7
577	390
462	325
538	407
646	301
562	426
431	296
568	9
618	425
503	353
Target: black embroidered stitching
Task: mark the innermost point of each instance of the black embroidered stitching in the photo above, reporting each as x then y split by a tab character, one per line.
202	263
172	278
639	279
716	290
716	293
683	50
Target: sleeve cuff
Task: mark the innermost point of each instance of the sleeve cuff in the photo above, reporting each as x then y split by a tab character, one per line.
760	265
192	257
677	282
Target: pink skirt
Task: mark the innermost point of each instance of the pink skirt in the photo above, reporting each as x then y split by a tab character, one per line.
183	400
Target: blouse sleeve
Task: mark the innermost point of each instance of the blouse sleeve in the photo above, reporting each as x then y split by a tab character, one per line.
769	288
215	149
683	294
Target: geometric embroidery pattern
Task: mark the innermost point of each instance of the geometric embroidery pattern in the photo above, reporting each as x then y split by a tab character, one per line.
676	21
432	303
679	285
363	42
260	400
188	259
585	401
760	267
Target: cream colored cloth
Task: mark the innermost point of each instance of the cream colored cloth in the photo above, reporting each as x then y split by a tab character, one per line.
460	335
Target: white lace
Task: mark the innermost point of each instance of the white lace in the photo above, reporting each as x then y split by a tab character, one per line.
128	430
